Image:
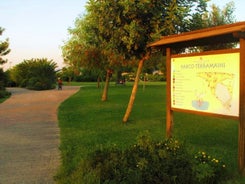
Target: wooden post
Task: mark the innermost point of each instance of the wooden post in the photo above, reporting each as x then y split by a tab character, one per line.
241	138
169	115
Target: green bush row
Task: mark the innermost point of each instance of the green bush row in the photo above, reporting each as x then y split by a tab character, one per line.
147	161
4	93
35	74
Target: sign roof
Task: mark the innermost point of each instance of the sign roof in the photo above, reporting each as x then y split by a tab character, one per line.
219	34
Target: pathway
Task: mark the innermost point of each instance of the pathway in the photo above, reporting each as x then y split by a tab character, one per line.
29	135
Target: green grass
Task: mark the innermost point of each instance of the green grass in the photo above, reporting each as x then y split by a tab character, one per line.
87	124
6	96
3	99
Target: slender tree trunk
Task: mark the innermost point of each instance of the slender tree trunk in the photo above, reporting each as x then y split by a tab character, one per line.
144	82
135	88
69	80
105	91
98	82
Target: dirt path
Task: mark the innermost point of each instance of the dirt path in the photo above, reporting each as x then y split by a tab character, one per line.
29	136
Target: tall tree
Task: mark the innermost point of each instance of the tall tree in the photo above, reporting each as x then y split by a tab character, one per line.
134	24
204	18
4	48
218	16
125	28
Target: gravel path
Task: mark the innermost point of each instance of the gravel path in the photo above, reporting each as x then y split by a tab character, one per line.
29	135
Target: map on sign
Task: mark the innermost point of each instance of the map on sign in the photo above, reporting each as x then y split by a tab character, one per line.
208	83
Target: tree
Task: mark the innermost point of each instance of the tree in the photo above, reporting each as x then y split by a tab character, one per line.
126	27
66	74
131	25
215	17
82	51
36	74
218	17
87	49
4	48
121	31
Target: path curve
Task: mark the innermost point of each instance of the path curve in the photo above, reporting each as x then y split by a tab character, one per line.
29	135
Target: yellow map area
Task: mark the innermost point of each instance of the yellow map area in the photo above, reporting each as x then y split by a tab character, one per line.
221	86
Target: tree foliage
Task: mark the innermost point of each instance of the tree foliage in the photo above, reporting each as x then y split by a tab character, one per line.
215	17
36	74
118	32
4	48
218	16
121	30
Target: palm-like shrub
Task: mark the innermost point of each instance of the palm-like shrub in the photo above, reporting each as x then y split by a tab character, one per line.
36	74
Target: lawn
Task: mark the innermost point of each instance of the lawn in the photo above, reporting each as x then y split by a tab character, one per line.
86	124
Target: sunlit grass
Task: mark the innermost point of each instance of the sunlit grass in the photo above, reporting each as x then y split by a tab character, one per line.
87	123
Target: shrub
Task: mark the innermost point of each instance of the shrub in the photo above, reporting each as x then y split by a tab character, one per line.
208	169
4	93
147	161
156	77
36	74
3	78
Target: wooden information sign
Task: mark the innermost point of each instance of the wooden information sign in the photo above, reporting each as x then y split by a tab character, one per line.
209	83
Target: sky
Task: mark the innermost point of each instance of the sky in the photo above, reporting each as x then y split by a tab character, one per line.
38	28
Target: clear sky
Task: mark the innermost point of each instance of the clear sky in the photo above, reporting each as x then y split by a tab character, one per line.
37	28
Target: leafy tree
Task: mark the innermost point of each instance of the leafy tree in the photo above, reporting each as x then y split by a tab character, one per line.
4	48
118	32
66	74
200	11
36	74
83	51
215	17
218	17
127	27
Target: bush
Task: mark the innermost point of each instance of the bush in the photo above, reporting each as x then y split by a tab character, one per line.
36	74
156	77
152	162
3	77
208	169
4	93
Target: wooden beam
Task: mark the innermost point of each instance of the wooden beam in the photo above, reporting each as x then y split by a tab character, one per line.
241	138
169	115
226	30
239	34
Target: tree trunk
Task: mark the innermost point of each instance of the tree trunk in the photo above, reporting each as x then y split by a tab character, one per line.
98	82
105	91
69	80
135	88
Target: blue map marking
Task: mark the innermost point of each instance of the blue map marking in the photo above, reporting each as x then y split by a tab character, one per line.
200	105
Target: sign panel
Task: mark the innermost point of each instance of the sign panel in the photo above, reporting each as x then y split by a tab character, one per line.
206	83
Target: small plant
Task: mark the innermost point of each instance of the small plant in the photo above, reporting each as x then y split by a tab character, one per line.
208	169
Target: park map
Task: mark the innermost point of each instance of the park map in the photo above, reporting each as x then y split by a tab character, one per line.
208	83
220	85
